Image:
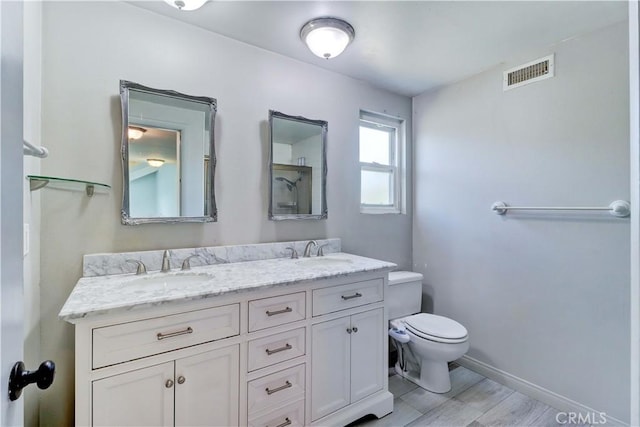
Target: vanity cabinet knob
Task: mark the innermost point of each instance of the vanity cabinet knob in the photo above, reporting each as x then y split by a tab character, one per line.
348	297
278	350
168	384
349	330
355	329
181	379
270	391
164	335
284	310
286	423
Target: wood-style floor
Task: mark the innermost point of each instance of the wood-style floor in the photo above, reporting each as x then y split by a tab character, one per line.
474	401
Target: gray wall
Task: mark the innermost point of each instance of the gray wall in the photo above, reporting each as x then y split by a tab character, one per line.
87	48
545	297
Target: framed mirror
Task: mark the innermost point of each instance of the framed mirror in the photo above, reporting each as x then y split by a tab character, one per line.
168	156
298	167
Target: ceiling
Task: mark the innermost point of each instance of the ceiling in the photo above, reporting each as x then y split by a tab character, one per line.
406	47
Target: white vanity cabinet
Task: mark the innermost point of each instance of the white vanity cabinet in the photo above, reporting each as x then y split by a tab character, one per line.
346	359
200	390
312	352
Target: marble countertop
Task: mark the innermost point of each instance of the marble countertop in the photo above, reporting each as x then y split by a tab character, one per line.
123	292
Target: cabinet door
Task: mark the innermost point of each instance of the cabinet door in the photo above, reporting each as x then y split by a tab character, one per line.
367	367
139	398
207	388
330	365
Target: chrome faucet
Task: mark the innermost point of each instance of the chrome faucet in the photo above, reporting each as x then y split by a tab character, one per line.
307	249
141	267
186	264
166	265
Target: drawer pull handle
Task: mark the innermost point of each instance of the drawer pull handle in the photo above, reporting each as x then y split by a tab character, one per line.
285	310
278	350
286	385
162	336
348	297
286	423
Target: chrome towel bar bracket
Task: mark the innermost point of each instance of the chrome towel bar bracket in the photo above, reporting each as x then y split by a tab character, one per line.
618	208
29	149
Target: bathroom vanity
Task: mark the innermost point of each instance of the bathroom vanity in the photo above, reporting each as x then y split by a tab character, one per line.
272	342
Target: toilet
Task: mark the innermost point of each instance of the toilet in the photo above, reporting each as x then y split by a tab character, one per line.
425	342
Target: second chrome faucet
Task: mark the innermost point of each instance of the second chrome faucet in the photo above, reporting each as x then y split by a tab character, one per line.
166	263
307	249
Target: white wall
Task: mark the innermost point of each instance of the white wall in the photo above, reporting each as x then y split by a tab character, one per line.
87	48
545	296
31	201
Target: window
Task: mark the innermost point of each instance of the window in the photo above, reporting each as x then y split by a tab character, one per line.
381	172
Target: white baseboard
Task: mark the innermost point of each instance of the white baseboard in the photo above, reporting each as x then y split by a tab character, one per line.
534	391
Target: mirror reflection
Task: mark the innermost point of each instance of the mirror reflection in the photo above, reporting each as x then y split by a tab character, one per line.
298	167
167	148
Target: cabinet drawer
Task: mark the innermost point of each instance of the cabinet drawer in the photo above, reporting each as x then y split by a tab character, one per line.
276	348
288	416
133	340
275	389
336	298
268	312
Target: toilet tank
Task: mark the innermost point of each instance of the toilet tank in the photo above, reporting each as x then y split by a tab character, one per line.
404	294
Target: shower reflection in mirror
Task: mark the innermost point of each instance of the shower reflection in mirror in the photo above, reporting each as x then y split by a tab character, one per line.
298	167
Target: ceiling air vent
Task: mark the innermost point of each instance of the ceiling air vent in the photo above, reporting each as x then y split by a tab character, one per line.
530	72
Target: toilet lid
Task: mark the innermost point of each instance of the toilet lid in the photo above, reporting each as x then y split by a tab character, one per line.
438	327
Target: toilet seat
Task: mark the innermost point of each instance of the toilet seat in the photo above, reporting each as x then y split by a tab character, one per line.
436	328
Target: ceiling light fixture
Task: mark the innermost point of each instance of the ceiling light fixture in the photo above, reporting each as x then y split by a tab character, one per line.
327	37
186	4
155	163
135	132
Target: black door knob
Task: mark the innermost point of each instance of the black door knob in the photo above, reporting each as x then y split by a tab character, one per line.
20	377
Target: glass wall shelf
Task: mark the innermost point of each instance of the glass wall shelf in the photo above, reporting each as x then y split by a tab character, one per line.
37	182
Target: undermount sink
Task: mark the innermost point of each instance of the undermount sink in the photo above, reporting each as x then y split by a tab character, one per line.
169	280
323	261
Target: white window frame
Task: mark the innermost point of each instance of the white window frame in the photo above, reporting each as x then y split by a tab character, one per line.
396	163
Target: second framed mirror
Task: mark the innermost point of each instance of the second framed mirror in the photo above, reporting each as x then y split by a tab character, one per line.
298	167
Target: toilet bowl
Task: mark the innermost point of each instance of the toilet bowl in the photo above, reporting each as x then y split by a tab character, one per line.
433	342
425	342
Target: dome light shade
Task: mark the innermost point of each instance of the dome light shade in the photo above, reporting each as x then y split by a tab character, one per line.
155	163
327	37
186	4
136	132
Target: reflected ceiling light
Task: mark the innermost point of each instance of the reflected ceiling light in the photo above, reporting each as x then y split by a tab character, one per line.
186	4
327	37
155	163
136	132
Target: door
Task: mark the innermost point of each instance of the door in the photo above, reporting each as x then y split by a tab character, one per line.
207	388
11	181
330	366
366	353
139	398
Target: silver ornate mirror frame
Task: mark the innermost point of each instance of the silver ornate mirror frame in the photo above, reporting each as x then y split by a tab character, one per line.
210	210
323	125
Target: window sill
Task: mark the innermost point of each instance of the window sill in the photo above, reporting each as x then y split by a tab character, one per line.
379	211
